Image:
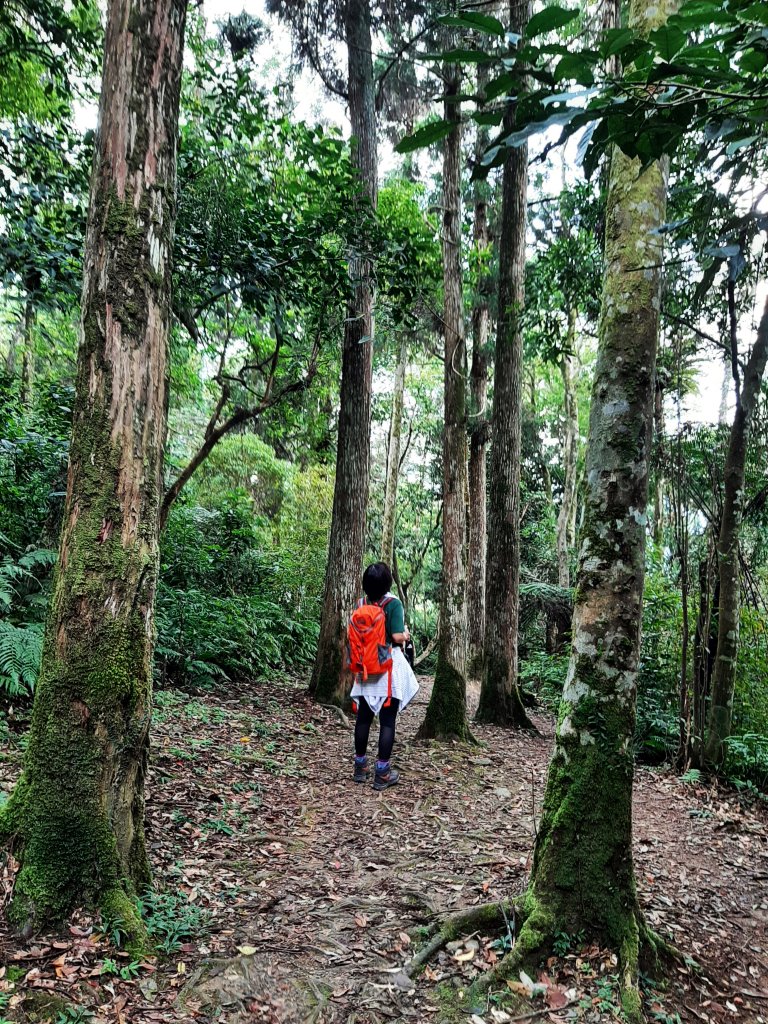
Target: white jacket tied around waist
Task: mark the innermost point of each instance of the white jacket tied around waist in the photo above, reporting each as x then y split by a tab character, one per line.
405	686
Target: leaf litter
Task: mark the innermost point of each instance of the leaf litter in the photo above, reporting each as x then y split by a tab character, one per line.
297	896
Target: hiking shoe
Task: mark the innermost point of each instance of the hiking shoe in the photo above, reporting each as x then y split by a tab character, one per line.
383	780
362	772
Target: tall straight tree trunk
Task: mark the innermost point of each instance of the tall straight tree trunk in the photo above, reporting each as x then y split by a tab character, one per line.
446	714
724	675
566	519
350	496
78	809
500	700
583	874
27	354
393	455
478	425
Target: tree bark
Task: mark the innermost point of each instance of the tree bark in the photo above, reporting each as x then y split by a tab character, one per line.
566	519
583	875
27	355
350	497
393	455
78	809
724	675
446	714
500	700
478	427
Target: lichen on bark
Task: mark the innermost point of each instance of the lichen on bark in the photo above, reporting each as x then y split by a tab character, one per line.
583	876
78	810
500	700
446	712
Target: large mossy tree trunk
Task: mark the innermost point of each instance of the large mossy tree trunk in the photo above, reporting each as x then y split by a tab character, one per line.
393	455
78	810
478	420
350	496
583	875
446	715
724	676
500	700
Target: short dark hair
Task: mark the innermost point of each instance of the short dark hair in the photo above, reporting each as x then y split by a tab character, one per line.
377	579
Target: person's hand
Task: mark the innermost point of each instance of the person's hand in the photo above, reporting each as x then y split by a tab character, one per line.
407	634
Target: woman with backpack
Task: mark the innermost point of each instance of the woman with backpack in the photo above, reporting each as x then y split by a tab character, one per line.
384	681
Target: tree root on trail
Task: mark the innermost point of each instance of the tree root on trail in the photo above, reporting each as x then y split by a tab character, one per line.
487	915
534	941
343	720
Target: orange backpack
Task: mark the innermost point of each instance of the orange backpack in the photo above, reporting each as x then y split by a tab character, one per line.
368	653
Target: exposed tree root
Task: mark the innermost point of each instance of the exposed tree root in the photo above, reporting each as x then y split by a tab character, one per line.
487	915
343	720
534	942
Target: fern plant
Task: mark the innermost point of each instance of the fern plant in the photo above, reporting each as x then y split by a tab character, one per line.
20	651
23	600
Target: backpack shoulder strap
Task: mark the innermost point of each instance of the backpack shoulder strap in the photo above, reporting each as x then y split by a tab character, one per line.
384	601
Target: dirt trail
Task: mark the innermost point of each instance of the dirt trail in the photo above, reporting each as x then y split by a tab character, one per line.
313	883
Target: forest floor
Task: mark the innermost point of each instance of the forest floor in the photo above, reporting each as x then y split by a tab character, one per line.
303	893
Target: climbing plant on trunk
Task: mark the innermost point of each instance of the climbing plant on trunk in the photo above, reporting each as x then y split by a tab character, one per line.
500	700
350	498
78	809
446	714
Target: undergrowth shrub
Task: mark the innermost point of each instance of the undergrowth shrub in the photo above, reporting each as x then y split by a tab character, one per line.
242	570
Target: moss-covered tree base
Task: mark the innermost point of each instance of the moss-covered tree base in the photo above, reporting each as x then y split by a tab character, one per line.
52	879
446	717
501	703
641	947
328	683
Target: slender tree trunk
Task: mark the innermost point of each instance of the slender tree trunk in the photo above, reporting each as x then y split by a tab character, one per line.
446	714
78	809
13	345
27	354
724	677
583	876
393	455
658	491
478	426
500	700
704	647
566	518
350	496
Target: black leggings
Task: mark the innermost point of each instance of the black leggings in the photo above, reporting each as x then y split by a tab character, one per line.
387	718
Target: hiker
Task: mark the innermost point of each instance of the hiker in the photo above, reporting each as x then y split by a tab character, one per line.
384	681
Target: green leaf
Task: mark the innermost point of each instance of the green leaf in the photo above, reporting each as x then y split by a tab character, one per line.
433	132
753	61
549	19
615	40
505	83
477	22
462	56
668	41
576	67
488	117
756	13
562	117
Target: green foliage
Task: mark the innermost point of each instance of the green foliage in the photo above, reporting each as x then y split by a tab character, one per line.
544	676
23	601
171	919
74	1015
242	572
